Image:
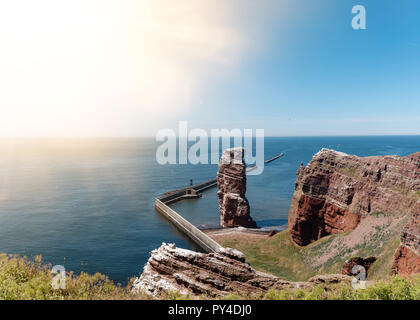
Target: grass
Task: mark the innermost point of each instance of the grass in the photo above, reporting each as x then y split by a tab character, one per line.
276	255
350	172
383	264
393	288
396	288
378	213
24	279
279	256
381	244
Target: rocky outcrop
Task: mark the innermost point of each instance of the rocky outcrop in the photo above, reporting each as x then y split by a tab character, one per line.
317	218
407	257
231	180
198	274
336	192
357	261
406	262
214	275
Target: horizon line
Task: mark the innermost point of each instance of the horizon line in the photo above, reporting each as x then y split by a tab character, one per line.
150	136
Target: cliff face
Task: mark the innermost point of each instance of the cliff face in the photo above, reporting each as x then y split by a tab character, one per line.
216	274
407	257
231	180
317	218
336	192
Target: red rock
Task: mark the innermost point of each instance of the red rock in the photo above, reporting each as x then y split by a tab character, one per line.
336	191
231	180
406	262
357	261
407	257
317	218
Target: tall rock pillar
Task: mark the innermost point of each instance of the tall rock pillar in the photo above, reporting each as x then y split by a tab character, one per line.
231	180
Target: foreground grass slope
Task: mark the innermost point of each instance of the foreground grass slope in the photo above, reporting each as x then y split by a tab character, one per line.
395	288
23	279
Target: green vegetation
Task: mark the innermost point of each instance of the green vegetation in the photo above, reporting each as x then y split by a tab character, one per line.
381	245
348	171
276	255
396	288
24	279
175	295
380	269
378	213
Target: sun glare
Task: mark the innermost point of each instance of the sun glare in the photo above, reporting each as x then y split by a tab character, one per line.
97	67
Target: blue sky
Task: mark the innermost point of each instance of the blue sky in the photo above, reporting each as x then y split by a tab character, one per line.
315	75
133	67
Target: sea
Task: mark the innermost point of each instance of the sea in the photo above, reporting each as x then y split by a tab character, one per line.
88	203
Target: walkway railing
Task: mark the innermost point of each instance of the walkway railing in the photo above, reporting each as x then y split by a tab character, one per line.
198	236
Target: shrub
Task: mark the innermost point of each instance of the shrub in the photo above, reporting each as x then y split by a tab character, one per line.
395	288
24	279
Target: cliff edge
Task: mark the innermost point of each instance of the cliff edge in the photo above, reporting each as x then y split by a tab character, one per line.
172	269
337	193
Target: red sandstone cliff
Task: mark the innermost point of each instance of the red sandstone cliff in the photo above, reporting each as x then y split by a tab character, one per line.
336	192
231	180
407	257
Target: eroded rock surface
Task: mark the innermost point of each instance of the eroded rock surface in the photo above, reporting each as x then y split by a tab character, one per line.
357	261
336	192
231	180
407	257
215	275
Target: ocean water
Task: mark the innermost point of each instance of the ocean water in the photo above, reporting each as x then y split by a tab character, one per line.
89	203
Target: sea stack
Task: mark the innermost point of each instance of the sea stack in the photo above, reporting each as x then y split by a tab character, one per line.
231	180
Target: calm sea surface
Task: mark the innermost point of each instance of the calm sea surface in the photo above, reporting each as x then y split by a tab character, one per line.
89	203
